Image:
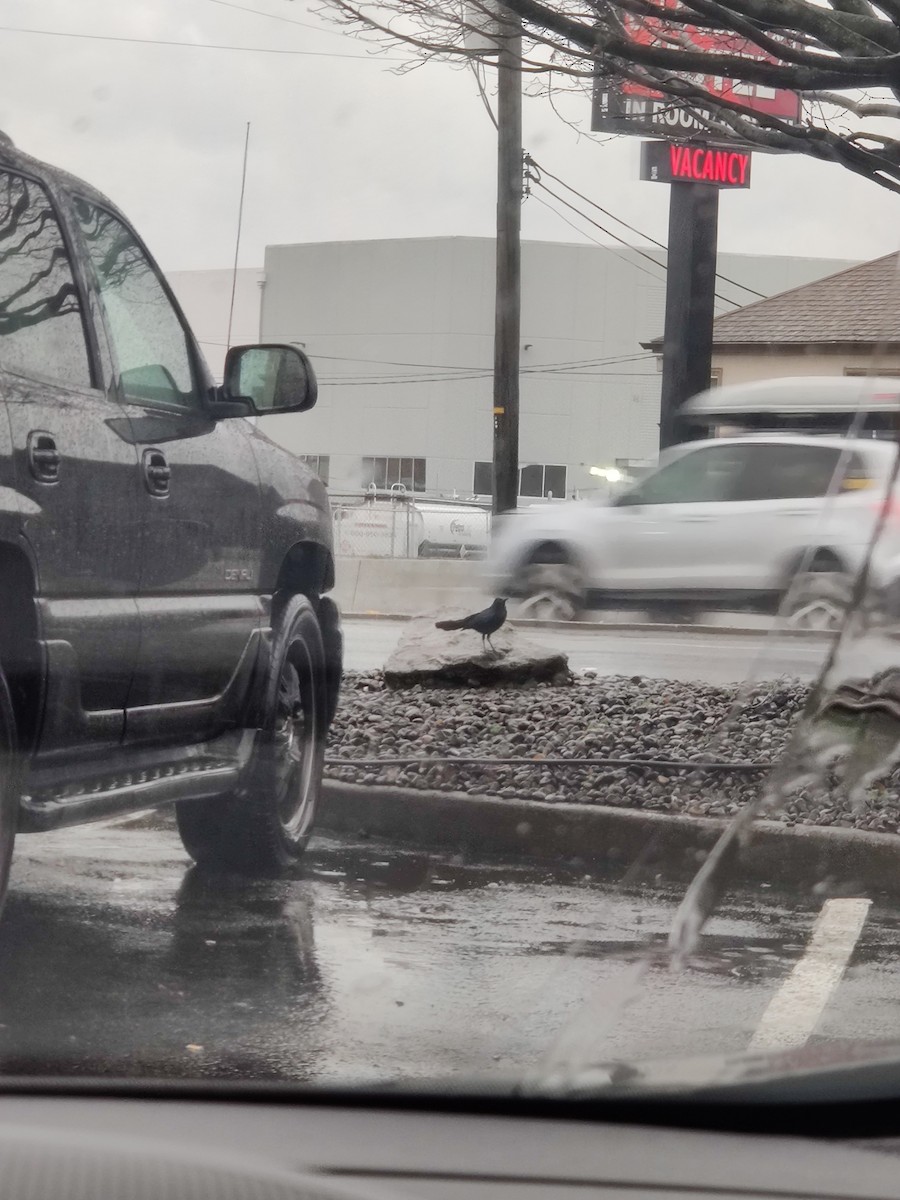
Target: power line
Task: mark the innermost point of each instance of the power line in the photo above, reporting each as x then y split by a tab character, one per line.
640	233
473	378
476	71
573	371
551	367
276	17
107	37
596	241
609	233
658	279
588	370
565	364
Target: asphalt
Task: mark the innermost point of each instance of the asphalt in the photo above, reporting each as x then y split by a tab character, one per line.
378	963
712	655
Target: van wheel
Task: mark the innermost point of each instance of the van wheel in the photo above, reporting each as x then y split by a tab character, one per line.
550	592
262	828
818	600
10	784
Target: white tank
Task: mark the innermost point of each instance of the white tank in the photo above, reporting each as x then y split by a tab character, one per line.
453	530
406	528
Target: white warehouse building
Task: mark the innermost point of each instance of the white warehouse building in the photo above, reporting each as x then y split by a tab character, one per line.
401	336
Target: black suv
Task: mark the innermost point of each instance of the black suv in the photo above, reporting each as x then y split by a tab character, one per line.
164	630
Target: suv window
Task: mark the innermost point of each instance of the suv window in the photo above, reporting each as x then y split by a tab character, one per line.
149	339
700	476
784	471
41	328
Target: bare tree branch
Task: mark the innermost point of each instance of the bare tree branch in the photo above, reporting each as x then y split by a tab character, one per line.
842	57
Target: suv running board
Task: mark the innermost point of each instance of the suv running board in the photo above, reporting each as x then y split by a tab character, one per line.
109	793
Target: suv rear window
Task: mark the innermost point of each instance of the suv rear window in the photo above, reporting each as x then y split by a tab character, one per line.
788	471
41	330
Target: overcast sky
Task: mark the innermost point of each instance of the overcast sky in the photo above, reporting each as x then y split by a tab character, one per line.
340	146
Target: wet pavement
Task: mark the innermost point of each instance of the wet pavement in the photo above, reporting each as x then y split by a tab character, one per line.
719	658
379	964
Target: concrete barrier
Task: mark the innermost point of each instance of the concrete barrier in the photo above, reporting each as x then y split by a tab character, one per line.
407	585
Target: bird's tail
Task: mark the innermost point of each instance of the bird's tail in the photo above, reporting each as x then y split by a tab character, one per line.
450	624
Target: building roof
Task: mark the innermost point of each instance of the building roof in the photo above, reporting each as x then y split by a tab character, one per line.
855	307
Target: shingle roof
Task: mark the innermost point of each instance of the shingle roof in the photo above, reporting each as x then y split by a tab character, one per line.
857	306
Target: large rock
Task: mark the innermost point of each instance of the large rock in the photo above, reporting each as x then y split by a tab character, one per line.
440	657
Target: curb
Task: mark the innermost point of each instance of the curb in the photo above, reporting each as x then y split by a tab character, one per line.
611	626
833	860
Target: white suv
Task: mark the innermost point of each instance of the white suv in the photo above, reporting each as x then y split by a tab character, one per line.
723	523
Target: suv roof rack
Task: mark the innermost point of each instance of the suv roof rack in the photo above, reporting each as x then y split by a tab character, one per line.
805	396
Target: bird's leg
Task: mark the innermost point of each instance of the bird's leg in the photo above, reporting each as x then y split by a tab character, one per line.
492	646
483	647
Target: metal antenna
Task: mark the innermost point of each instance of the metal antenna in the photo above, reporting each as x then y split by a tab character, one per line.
237	243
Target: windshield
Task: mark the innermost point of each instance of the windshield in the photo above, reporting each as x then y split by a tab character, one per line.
528	710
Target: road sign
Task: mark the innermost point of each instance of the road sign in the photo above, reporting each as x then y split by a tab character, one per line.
670	162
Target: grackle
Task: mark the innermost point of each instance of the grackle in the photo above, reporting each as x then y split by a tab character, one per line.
486	622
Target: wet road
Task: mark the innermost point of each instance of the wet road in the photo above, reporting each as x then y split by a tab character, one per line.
713	658
374	964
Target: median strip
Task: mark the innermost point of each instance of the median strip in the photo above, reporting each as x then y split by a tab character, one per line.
609	771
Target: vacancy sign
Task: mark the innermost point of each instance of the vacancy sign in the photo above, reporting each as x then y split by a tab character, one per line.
669	162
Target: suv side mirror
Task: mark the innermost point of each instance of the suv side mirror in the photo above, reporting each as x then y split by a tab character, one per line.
272	378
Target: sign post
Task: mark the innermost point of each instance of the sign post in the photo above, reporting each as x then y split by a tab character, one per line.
696	174
690	300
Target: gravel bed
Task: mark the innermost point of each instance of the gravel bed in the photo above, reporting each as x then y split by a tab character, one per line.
614	716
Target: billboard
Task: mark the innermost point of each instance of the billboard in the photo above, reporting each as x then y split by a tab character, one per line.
625	107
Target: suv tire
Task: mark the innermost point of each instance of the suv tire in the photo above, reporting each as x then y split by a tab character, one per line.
550	592
818	600
263	827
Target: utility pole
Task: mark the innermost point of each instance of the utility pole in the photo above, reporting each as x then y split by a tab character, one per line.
509	256
690	300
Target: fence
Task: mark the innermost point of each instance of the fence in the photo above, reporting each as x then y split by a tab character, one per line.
375	531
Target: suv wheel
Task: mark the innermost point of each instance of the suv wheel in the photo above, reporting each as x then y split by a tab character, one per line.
550	592
818	600
263	827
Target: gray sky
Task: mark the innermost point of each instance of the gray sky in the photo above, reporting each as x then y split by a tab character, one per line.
341	147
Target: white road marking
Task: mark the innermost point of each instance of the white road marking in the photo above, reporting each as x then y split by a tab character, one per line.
794	1011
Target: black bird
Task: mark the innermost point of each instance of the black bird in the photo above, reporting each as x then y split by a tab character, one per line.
486	622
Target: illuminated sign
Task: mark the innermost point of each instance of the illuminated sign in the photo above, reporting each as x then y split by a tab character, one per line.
624	106
669	162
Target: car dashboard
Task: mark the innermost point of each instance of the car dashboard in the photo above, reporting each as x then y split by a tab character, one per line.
130	1148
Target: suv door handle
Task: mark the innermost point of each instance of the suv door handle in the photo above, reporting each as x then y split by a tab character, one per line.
157	472
43	456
